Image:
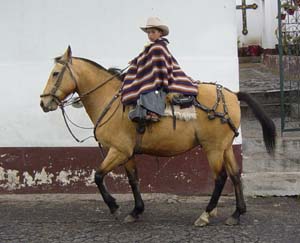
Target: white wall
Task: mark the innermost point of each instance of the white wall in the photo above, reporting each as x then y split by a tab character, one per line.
269	39
254	24
261	24
33	32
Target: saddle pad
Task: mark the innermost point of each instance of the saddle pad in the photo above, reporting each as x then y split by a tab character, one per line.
185	114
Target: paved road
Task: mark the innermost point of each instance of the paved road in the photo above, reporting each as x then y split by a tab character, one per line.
84	218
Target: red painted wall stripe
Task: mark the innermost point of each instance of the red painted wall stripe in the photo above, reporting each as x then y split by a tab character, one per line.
70	170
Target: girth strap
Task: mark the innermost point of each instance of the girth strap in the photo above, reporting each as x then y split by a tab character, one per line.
173	115
103	113
138	144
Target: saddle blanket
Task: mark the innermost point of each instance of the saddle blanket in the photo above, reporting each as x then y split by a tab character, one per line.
185	114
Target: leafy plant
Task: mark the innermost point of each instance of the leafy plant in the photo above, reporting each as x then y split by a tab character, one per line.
296	40
289	6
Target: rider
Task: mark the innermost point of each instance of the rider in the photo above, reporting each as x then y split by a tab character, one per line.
152	74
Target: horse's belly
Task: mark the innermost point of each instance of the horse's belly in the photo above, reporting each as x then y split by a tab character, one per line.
165	141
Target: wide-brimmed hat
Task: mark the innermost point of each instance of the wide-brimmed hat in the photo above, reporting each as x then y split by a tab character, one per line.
155	22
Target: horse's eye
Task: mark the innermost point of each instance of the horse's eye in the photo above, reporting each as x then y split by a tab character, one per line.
55	74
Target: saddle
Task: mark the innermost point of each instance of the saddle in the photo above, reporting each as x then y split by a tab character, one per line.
183	101
174	100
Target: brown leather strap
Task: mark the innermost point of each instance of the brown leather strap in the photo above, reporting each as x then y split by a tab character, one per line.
138	144
212	113
103	113
173	116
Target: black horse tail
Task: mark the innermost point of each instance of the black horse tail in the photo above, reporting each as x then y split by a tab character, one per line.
268	126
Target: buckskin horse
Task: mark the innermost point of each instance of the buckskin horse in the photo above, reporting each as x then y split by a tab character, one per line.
99	92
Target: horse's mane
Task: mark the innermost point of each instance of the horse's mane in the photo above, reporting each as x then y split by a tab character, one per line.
112	70
115	70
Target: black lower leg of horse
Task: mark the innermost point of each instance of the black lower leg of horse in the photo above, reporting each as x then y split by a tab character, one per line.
240	202
219	185
107	198
133	181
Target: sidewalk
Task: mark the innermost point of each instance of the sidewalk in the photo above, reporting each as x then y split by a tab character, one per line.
85	218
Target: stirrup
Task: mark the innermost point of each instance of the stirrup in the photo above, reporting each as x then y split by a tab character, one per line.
152	117
141	127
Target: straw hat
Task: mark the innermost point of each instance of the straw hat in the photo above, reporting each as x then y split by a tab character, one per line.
155	22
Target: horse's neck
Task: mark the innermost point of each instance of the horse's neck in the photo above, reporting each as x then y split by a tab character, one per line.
89	77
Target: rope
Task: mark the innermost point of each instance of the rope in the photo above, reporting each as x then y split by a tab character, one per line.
69	129
100	85
74	124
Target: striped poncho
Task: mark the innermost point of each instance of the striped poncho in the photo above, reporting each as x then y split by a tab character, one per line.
153	69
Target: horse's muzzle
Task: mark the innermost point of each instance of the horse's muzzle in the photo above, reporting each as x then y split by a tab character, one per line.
45	109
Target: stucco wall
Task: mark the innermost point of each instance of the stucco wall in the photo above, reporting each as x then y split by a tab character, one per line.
269	39
106	32
261	23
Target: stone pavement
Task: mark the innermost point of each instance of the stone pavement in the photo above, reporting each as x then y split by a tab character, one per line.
255	77
85	218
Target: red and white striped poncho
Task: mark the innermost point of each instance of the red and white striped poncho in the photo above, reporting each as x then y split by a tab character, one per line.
153	69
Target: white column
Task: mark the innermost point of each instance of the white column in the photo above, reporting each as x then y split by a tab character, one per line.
270	24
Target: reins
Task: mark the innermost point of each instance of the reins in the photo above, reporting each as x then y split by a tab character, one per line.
71	100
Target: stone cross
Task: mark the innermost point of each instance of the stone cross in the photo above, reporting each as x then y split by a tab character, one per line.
244	7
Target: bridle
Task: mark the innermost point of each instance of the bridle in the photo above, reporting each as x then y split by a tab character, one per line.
69	101
66	66
52	93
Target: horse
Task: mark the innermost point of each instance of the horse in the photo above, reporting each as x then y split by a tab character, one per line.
99	92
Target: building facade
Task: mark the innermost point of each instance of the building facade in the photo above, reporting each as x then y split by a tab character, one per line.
37	152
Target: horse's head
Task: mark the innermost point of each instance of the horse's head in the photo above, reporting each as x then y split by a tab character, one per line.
61	82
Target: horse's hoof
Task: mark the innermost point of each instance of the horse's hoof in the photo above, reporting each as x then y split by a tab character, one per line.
232	221
130	219
200	223
203	220
116	214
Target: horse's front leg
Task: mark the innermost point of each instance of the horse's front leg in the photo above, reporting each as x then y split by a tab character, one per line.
113	159
132	174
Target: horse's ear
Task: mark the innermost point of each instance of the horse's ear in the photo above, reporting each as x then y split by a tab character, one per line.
67	56
69	51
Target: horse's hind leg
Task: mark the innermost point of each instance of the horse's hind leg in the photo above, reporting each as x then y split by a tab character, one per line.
215	159
233	171
111	161
132	174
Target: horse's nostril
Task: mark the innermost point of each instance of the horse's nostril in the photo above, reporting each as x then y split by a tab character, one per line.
42	104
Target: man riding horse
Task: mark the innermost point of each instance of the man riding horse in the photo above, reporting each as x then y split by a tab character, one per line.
214	127
152	74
